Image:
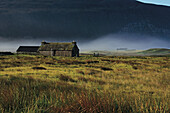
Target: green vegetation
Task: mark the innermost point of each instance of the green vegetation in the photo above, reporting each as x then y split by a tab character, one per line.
156	51
149	52
86	84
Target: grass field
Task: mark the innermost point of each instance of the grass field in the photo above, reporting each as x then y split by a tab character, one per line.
33	84
149	52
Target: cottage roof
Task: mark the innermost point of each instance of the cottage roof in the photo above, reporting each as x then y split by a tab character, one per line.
57	46
28	48
6	53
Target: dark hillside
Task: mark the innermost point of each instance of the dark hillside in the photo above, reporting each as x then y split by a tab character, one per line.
70	19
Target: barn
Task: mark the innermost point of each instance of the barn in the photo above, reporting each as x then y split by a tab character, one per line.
67	49
28	49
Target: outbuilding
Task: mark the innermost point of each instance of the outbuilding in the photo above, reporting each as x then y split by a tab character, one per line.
28	49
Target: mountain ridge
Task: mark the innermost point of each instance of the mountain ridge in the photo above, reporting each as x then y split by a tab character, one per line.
63	20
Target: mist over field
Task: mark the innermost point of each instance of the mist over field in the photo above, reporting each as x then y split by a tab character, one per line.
130	41
108	42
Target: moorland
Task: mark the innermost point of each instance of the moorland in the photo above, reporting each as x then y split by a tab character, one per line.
87	84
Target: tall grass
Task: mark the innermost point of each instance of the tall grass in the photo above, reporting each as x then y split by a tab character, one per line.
31	95
85	85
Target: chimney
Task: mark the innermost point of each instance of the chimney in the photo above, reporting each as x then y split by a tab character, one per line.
43	43
74	42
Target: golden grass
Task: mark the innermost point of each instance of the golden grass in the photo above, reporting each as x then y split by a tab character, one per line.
85	84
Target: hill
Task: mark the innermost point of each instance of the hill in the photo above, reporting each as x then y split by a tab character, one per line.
88	19
156	51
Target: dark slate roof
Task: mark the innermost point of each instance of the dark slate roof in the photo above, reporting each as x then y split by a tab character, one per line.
57	46
28	48
6	53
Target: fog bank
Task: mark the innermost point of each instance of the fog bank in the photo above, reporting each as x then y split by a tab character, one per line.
109	42
130	41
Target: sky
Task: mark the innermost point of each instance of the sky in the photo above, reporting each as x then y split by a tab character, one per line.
159	2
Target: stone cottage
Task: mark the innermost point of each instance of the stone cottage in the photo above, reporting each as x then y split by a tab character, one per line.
67	49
